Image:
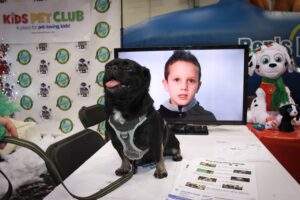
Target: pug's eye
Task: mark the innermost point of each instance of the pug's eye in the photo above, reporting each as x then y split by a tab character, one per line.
278	58
127	68
265	59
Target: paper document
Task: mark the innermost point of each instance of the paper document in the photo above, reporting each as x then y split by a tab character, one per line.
204	179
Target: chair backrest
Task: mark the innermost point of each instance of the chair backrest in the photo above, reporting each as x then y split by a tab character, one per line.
71	152
92	115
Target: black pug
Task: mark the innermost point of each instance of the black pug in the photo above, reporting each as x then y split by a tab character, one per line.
135	128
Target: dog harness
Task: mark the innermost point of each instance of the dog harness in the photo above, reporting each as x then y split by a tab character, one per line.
125	133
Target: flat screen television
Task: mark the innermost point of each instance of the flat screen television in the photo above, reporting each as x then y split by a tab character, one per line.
224	74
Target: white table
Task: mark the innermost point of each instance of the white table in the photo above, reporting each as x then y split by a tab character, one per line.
273	181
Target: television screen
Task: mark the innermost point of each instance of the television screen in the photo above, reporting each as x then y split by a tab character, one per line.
223	78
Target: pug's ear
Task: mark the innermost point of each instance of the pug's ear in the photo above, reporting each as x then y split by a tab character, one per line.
147	76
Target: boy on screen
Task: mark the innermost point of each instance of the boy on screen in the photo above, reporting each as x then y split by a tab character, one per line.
182	81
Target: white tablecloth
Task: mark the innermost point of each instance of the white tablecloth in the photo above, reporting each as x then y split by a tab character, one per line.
230	143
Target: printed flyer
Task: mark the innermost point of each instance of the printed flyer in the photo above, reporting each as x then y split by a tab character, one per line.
204	179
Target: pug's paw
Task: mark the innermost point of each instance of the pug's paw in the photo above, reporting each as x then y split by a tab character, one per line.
177	157
160	173
121	171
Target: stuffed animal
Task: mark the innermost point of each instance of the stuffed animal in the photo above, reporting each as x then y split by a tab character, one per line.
289	112
270	61
258	109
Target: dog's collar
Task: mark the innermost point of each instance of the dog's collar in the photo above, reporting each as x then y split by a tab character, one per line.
125	133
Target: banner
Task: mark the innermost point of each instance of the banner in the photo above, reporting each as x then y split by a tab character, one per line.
218	25
34	21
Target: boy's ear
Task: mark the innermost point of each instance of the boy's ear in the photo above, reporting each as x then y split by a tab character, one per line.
165	84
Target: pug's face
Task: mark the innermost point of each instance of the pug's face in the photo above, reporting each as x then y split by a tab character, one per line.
125	78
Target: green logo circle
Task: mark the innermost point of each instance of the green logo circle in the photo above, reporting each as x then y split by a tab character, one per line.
103	54
66	125
101	129
62	56
101	100
29	119
64	103
26	102
102	5
24	80
102	29
99	78
62	79
24	57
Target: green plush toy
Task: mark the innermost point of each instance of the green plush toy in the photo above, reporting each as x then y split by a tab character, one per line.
7	108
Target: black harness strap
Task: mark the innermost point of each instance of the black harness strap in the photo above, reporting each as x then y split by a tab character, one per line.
51	167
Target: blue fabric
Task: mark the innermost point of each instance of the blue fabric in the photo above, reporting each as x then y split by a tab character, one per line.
226	22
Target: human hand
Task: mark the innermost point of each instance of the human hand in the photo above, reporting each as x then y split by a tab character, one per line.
9	128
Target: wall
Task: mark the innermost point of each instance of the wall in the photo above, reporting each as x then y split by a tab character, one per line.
48	98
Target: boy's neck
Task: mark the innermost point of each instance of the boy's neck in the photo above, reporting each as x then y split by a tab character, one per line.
179	108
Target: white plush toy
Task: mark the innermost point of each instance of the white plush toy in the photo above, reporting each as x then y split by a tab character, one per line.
270	61
258	109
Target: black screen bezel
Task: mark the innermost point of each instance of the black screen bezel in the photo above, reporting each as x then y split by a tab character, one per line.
243	121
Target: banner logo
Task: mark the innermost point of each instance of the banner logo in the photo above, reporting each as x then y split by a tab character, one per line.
24	80
62	79
44	21
66	125
64	103
24	57
26	102
102	5
99	78
102	29
292	43
62	56
103	54
295	38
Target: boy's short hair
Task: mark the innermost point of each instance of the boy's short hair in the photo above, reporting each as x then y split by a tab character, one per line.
181	55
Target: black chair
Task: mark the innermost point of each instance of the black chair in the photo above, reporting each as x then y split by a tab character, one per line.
91	115
69	153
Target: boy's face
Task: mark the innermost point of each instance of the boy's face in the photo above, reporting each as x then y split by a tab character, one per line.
182	82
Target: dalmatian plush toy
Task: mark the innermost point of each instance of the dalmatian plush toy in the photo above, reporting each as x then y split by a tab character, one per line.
270	61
